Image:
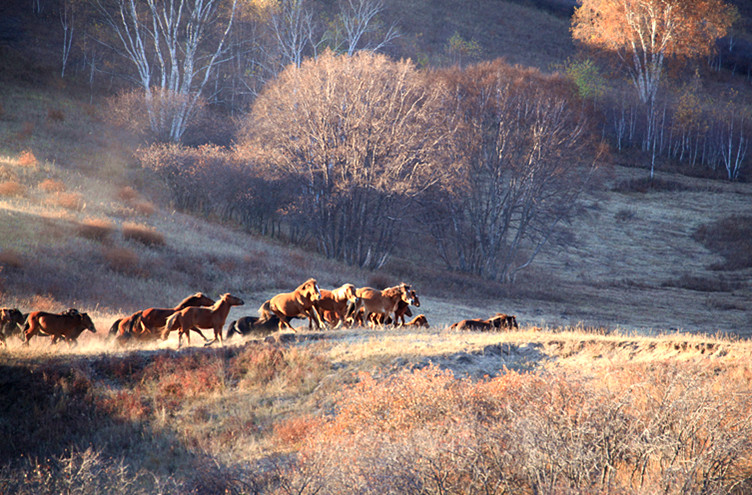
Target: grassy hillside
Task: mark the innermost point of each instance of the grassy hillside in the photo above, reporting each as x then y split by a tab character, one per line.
630	372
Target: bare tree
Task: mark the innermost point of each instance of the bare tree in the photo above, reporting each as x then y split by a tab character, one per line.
294	30
520	148
175	45
356	135
67	21
361	27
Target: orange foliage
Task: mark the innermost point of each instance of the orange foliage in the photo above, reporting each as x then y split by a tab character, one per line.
685	28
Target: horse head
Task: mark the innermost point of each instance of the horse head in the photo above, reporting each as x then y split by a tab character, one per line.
310	289
232	300
86	322
407	294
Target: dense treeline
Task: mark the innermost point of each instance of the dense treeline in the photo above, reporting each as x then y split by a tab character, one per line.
291	124
340	152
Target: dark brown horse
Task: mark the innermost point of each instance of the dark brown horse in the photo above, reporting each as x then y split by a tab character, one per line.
194	318
11	323
496	322
148	323
333	304
67	326
252	325
300	302
384	302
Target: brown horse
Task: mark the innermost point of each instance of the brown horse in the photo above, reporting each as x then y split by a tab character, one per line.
299	302
333	304
384	302
11	323
67	326
194	318
496	322
148	323
418	321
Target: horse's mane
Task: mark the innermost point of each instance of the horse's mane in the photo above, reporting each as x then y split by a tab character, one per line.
393	291
184	303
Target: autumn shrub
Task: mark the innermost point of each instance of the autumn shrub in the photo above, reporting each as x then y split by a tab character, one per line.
380	281
703	284
143	234
80	472
26	131
121	259
51	186
68	200
210	181
127	193
258	365
12	188
642	428
11	258
96	229
55	115
731	237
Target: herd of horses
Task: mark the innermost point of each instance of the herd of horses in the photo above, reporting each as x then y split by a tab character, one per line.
345	306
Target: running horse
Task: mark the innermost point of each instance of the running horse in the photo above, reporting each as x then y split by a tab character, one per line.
146	324
301	301
334	303
383	302
197	317
67	325
11	323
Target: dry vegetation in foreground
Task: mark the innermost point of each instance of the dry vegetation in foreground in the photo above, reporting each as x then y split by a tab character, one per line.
379	411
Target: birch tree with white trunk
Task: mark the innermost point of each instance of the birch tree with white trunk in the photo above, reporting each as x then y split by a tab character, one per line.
175	46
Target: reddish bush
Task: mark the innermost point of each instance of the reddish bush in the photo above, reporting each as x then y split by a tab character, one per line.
143	234
12	188
96	229
51	185
121	259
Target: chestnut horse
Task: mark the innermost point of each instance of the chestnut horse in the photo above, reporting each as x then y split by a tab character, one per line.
299	302
146	324
333	304
67	326
418	321
384	302
194	318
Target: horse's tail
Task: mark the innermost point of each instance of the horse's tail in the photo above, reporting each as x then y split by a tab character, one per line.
114	329
170	324
231	329
265	310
